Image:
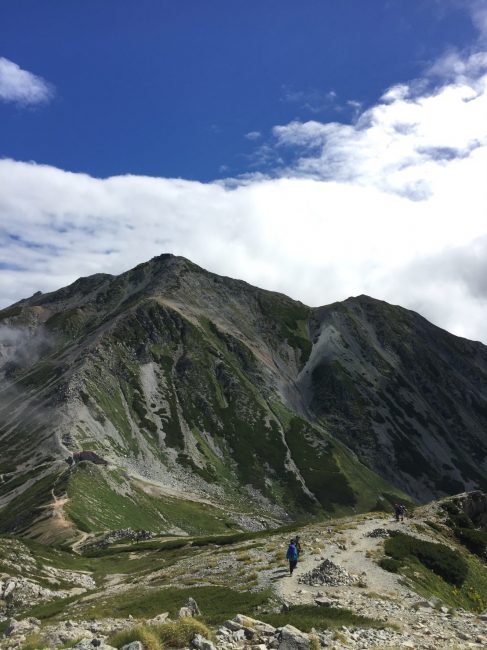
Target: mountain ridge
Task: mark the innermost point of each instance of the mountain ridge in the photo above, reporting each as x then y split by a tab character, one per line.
187	378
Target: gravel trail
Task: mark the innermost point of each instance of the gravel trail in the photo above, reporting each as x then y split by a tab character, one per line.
375	593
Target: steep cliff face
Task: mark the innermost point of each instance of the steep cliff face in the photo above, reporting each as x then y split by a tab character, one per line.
217	404
408	397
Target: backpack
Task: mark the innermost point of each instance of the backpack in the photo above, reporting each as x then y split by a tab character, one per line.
292	553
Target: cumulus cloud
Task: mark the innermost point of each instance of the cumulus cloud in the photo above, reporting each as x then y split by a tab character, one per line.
402	143
392	205
22	87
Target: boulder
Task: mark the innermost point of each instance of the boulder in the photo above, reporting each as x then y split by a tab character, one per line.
159	619
239	635
233	626
91	644
9	587
200	643
190	609
185	612
290	638
25	626
323	602
68	636
135	645
423	603
254	624
223	631
193	606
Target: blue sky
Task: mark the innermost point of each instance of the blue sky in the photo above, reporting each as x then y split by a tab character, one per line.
321	148
170	89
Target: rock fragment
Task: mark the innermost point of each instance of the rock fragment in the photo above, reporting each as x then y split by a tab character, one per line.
200	643
290	638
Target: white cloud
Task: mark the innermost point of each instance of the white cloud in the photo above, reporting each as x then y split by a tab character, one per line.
313	100
401	91
478	11
403	143
253	135
394	205
21	86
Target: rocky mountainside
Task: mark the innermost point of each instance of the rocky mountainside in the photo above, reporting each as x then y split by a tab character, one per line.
408	397
211	405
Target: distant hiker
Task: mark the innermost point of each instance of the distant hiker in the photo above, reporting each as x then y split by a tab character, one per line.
292	556
397	511
402	511
297	545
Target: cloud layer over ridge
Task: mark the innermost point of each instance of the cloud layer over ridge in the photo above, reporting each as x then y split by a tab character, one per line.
393	205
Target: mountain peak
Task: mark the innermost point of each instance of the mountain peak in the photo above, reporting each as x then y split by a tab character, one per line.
194	383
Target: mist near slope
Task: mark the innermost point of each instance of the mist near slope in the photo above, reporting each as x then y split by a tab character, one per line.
21	347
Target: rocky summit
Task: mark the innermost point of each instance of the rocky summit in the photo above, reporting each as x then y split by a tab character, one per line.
174	401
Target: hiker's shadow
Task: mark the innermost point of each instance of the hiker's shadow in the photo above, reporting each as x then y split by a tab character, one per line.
278	574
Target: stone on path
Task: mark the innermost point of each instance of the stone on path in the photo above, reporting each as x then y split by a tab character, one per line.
323	602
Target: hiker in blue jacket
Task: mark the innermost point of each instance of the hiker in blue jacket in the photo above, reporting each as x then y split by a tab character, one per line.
292	556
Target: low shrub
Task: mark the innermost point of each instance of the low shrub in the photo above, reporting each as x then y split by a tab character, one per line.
244	556
457	518
142	633
436	527
437	557
389	564
178	634
306	617
474	540
451	508
461	521
314	642
33	642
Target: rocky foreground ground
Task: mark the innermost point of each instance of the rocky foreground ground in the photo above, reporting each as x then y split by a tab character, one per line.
338	569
